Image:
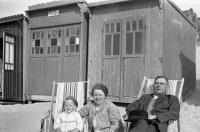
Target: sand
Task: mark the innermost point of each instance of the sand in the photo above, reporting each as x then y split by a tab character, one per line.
26	117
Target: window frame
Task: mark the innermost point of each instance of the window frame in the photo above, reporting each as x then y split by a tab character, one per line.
65	44
49	47
112	37
143	30
33	42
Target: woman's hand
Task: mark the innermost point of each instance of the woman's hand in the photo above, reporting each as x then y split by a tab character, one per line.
151	117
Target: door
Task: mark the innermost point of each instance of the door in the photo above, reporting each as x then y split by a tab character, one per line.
9	82
123	58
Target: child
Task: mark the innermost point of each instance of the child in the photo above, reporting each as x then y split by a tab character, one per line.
69	120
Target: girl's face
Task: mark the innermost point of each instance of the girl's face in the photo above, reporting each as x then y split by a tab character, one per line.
99	96
69	106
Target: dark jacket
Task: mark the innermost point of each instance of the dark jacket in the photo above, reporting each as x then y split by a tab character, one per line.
166	108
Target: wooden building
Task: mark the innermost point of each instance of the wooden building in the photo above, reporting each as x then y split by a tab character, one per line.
130	39
13	42
115	42
57	45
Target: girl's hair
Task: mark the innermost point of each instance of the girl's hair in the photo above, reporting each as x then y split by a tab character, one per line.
101	87
72	99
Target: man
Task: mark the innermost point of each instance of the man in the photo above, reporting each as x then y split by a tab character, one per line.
160	108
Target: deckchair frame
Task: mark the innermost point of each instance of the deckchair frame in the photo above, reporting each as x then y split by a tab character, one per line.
70	92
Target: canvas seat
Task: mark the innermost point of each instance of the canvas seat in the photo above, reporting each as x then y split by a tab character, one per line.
60	90
175	88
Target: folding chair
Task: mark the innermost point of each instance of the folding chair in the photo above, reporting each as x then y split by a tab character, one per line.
175	88
61	90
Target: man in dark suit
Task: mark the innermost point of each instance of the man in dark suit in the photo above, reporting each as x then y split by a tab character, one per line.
160	107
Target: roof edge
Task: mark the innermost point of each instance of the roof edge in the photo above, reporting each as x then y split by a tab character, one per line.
53	4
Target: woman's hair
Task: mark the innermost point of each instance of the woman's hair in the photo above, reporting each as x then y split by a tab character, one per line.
72	99
166	79
101	87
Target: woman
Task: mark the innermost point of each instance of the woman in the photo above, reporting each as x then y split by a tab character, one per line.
102	115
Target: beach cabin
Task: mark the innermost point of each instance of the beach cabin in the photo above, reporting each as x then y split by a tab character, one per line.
130	39
13	45
57	45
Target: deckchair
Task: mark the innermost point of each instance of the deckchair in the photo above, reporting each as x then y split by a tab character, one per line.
60	90
175	88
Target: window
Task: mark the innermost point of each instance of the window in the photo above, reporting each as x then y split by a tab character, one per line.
72	39
54	42
134	35
37	43
112	38
9	53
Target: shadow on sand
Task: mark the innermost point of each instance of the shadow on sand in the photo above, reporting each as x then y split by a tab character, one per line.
194	99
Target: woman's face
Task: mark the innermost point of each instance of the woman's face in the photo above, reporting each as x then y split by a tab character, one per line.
99	96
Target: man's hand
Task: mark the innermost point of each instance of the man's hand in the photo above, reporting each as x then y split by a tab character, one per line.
151	117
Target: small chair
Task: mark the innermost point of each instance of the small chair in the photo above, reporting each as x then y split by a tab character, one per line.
175	88
60	90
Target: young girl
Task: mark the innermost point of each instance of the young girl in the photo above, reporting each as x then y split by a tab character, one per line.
69	120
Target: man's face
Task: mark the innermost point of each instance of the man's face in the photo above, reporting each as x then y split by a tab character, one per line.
160	86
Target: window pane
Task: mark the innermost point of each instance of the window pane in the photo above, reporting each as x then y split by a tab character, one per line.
116	43
54	34
72	48
58	50
118	28
59	33
11	53
49	34
42	34
72	31
129	43
128	26
78	31
140	23
107	28
53	49
66	41
72	40
134	25
77	48
138	42
37	35
7	53
67	32
41	50
37	50
108	44
54	42
77	40
112	27
66	49
33	36
48	50
33	50
37	42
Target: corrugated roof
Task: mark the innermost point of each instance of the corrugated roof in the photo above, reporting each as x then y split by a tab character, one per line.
12	18
53	4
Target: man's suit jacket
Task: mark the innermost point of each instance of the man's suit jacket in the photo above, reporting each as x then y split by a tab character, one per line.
166	108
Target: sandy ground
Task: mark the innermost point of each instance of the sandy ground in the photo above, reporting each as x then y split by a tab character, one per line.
26	117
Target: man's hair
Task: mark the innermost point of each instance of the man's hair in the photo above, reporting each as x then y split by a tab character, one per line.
166	79
72	99
101	87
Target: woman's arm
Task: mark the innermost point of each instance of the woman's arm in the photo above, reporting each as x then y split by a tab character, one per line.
114	117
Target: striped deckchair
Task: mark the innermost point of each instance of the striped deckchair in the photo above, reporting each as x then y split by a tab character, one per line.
175	88
60	90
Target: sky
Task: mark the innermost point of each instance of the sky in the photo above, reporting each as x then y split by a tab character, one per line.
13	7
